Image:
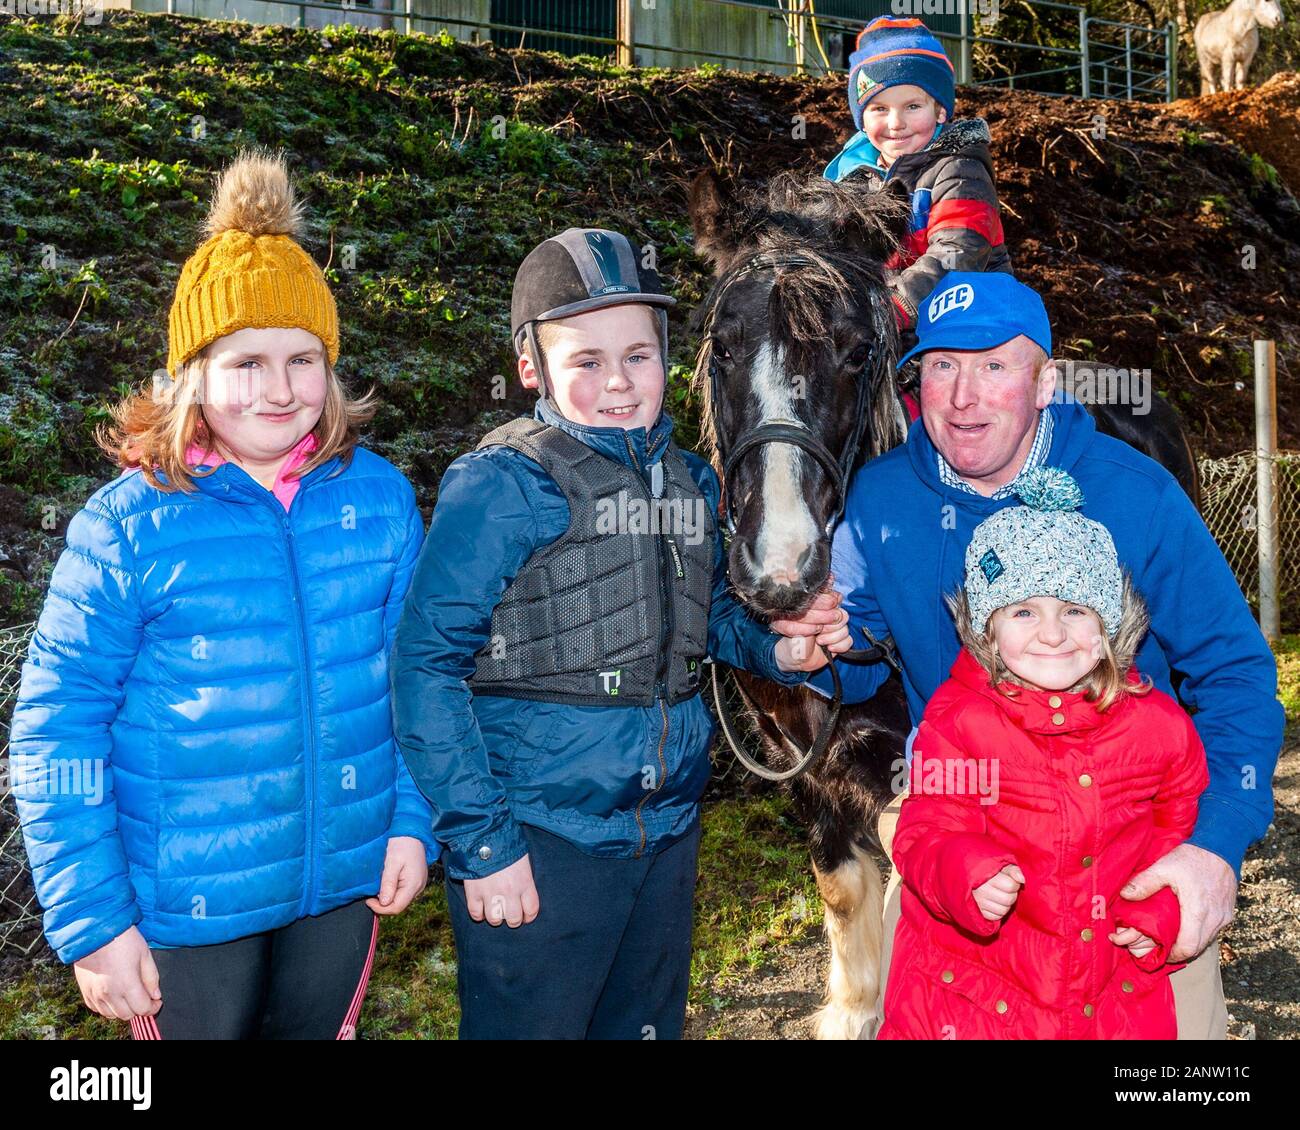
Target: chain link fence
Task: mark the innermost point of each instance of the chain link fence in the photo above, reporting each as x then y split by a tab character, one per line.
1230	509
1229	500
20	914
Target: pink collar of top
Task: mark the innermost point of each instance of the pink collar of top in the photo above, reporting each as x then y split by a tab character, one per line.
285	488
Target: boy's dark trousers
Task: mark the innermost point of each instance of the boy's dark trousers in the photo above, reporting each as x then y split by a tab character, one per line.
608	956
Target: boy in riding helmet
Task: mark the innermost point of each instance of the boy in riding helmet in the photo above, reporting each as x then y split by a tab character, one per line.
548	665
901	94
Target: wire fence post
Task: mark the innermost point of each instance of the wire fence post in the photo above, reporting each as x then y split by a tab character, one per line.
1266	485
963	55
1128	60
1084	65
624	34
1171	61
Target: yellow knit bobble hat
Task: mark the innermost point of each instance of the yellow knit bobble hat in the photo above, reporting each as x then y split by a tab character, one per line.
250	272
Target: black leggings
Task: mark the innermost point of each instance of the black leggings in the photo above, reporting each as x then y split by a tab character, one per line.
304	981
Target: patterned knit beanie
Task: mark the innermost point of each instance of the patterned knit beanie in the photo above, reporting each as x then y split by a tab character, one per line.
899	52
1043	548
250	272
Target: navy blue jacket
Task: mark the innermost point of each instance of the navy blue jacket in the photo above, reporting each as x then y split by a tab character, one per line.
490	763
902	543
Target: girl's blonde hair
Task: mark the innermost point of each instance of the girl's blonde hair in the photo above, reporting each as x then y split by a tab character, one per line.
153	430
1104	685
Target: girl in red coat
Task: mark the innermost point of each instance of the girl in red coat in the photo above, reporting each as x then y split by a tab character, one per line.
1045	774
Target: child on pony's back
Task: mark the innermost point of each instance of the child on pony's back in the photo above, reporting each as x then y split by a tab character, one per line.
901	95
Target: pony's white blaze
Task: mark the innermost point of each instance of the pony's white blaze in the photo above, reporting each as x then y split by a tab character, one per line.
788	530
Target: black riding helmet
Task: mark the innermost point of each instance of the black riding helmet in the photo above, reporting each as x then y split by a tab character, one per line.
578	270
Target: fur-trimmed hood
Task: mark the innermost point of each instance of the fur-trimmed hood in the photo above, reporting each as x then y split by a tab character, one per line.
959	134
965	137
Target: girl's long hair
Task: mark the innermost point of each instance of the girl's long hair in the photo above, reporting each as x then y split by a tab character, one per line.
153	430
1104	685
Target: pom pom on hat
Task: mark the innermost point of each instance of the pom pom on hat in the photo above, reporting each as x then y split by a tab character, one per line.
1049	488
1046	547
254	196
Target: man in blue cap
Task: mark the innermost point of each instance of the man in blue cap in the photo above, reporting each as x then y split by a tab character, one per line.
988	413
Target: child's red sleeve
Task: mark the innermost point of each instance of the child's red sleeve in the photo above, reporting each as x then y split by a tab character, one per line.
1186	777
941	846
1159	918
963	228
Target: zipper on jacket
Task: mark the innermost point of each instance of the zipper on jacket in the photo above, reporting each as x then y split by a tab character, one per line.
663	772
665	590
304	639
665	607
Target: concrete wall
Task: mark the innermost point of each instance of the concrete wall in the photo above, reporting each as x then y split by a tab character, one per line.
725	34
381	14
731	35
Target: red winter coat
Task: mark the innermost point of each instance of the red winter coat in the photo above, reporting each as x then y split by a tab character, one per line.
1084	801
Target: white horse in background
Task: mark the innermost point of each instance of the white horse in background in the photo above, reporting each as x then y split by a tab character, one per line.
1226	42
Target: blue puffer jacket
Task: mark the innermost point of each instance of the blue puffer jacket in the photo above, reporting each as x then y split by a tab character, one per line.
202	743
490	763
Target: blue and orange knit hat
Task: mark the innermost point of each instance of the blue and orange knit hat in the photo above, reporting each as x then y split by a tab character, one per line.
898	52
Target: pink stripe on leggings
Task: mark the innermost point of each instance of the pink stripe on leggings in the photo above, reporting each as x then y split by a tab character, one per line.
349	1029
144	1028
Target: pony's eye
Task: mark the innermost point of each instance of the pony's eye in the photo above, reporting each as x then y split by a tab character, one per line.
859	355
721	352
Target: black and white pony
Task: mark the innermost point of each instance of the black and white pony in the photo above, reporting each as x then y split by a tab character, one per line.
796	374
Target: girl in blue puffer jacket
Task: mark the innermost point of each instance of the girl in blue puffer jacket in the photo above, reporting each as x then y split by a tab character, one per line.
202	750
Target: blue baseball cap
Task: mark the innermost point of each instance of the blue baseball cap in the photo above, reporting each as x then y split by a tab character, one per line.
977	310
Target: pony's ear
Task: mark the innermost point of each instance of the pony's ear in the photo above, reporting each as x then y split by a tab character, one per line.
712	207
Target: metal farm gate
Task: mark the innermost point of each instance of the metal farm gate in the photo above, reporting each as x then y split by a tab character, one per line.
1082	56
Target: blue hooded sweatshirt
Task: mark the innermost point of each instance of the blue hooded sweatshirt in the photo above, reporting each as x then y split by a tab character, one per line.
902	543
490	763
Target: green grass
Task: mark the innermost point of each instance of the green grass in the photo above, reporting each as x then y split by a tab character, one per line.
755	896
432	163
1287	650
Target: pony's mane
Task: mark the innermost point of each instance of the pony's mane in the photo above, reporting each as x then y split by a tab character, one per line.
845	231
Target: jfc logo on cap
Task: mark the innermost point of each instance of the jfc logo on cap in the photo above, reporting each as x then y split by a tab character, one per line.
991	566
957	297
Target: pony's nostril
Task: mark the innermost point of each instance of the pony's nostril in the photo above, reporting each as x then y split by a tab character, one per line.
747	559
804	558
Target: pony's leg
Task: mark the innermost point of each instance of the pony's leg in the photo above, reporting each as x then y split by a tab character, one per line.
1207	77
854	899
1227	70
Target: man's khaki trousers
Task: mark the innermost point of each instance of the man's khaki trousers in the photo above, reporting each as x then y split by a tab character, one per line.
1198	989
